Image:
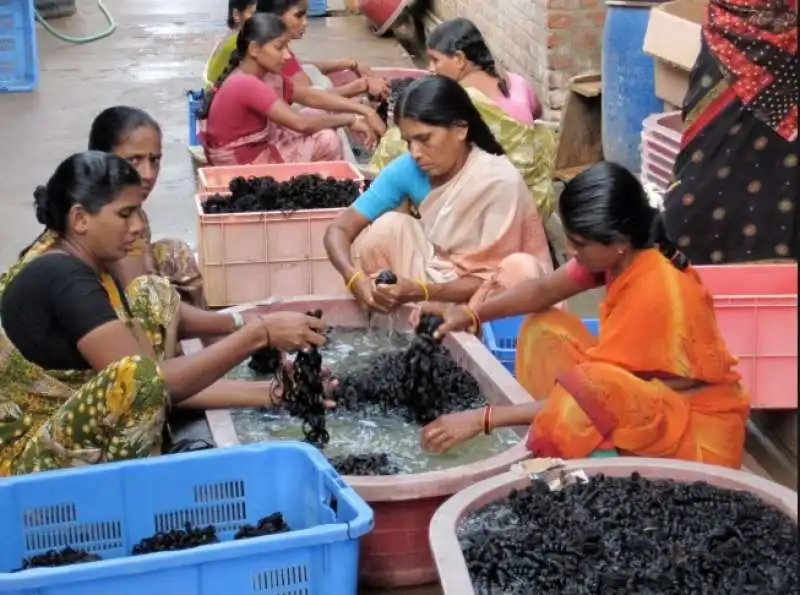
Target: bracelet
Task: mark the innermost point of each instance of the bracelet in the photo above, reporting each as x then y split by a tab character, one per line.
353	279
238	320
425	293
487	419
476	322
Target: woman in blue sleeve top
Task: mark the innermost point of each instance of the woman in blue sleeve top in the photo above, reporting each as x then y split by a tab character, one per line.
478	230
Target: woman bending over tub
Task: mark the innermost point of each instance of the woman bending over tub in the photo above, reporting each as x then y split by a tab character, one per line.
479	232
658	382
251	121
87	367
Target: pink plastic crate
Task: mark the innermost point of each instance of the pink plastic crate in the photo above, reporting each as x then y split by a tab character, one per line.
665	128
217	179
756	308
246	257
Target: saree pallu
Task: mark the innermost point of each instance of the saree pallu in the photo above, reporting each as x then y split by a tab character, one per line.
532	149
54	419
656	322
734	199
480	224
174	260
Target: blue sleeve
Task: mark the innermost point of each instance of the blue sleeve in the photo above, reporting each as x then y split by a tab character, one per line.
399	180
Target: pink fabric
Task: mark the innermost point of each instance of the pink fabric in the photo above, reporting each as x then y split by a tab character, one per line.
521	104
239	111
292	66
584	277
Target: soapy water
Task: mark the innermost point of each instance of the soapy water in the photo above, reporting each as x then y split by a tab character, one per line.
368	430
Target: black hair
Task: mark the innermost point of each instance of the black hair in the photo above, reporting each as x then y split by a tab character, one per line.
606	203
278	7
113	125
461	35
91	179
259	29
241	6
440	101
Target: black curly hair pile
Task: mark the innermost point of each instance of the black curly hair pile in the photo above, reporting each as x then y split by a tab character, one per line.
621	535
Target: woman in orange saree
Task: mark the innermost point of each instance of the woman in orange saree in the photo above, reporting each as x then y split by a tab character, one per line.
658	381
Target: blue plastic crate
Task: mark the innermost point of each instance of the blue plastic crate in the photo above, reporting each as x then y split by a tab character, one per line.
195	104
317	8
19	59
500	337
107	509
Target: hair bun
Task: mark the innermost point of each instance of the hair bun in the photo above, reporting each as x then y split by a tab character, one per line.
42	202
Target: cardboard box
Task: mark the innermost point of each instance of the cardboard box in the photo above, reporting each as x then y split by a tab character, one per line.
673	39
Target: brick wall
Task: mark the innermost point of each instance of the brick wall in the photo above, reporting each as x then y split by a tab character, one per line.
548	41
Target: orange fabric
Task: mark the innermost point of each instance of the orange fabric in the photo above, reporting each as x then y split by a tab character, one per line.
656	321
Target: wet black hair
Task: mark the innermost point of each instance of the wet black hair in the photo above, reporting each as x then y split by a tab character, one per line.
91	179
239	5
606	203
278	7
113	125
461	35
259	29
439	101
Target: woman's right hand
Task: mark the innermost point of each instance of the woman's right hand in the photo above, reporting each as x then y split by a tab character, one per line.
292	331
377	87
361	127
457	319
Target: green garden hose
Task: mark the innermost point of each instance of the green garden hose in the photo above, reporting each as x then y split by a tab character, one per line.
112	26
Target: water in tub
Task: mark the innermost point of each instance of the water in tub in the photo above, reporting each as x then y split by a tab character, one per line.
368	431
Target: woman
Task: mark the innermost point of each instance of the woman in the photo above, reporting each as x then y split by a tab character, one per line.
735	196
85	369
136	137
249	121
479	231
659	382
238	12
348	77
508	105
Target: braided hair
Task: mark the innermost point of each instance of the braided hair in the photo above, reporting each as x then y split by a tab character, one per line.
461	35
259	29
606	203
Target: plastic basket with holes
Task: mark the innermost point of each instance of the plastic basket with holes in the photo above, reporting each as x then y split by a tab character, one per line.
107	509
19	61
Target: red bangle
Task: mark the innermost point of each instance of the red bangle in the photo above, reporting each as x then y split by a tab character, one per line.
487	419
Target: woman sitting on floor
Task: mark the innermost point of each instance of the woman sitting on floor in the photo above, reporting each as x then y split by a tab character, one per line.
87	373
348	78
659	381
479	231
507	104
136	137
249	121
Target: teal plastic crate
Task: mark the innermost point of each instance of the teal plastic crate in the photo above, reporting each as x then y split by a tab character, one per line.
19	60
107	509
500	337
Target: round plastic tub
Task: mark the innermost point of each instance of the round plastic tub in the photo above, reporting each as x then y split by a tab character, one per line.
450	562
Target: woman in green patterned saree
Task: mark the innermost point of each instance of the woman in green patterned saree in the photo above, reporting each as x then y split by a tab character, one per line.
507	104
87	369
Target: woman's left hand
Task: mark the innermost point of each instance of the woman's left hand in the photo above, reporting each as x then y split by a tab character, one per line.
451	430
391	297
360	69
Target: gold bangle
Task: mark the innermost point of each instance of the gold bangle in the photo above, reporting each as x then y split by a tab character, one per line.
353	279
425	294
476	321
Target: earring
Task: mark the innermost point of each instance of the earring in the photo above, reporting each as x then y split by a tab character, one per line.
621	251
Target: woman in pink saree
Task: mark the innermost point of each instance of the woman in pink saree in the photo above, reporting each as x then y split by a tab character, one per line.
247	116
478	230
